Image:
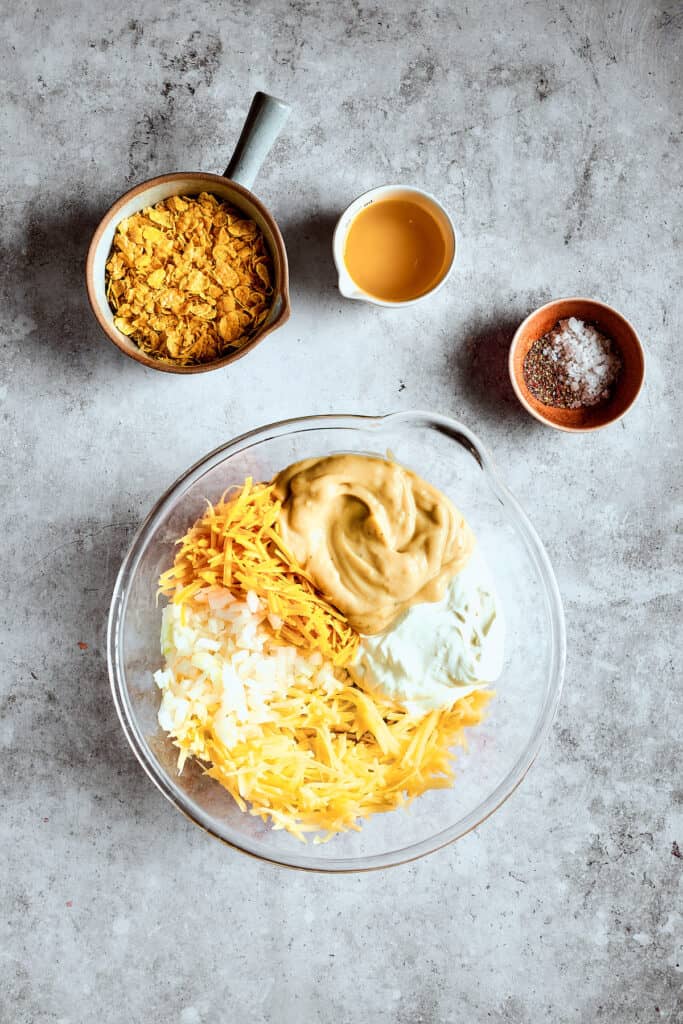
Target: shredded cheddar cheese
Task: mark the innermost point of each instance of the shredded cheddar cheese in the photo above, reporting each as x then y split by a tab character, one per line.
237	545
325	763
290	737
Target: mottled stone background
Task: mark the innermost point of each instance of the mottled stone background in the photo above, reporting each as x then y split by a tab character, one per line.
552	131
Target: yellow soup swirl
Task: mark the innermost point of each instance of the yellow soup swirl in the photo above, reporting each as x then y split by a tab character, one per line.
374	537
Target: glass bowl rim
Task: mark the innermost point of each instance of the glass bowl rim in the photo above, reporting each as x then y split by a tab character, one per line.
535	549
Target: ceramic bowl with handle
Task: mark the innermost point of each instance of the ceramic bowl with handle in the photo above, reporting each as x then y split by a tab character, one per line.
266	117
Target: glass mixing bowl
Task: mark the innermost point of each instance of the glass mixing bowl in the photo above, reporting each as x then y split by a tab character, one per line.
500	750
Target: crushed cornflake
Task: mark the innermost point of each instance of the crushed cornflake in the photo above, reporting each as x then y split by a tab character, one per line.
189	279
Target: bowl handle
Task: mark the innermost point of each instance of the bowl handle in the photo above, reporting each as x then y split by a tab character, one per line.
262	126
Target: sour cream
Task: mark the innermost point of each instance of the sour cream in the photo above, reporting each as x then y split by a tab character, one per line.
437	652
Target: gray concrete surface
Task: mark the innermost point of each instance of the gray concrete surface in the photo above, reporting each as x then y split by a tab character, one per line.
552	131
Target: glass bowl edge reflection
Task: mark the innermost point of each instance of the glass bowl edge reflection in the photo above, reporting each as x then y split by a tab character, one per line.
523	528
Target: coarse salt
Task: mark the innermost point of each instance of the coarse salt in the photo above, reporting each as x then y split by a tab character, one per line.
587	358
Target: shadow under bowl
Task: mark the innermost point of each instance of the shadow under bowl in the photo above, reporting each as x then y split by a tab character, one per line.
610	323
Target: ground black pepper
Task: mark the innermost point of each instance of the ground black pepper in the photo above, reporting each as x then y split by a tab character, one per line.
545	377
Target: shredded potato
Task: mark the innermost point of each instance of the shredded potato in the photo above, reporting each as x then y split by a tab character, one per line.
319	754
328	761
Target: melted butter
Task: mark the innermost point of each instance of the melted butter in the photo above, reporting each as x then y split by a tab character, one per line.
395	250
374	537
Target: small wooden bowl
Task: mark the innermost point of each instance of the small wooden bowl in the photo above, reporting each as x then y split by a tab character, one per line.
610	323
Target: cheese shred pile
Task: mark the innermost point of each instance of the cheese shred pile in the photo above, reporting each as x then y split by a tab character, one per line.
330	760
237	545
256	684
291	738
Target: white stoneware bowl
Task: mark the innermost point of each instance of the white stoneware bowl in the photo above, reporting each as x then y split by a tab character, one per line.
347	286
